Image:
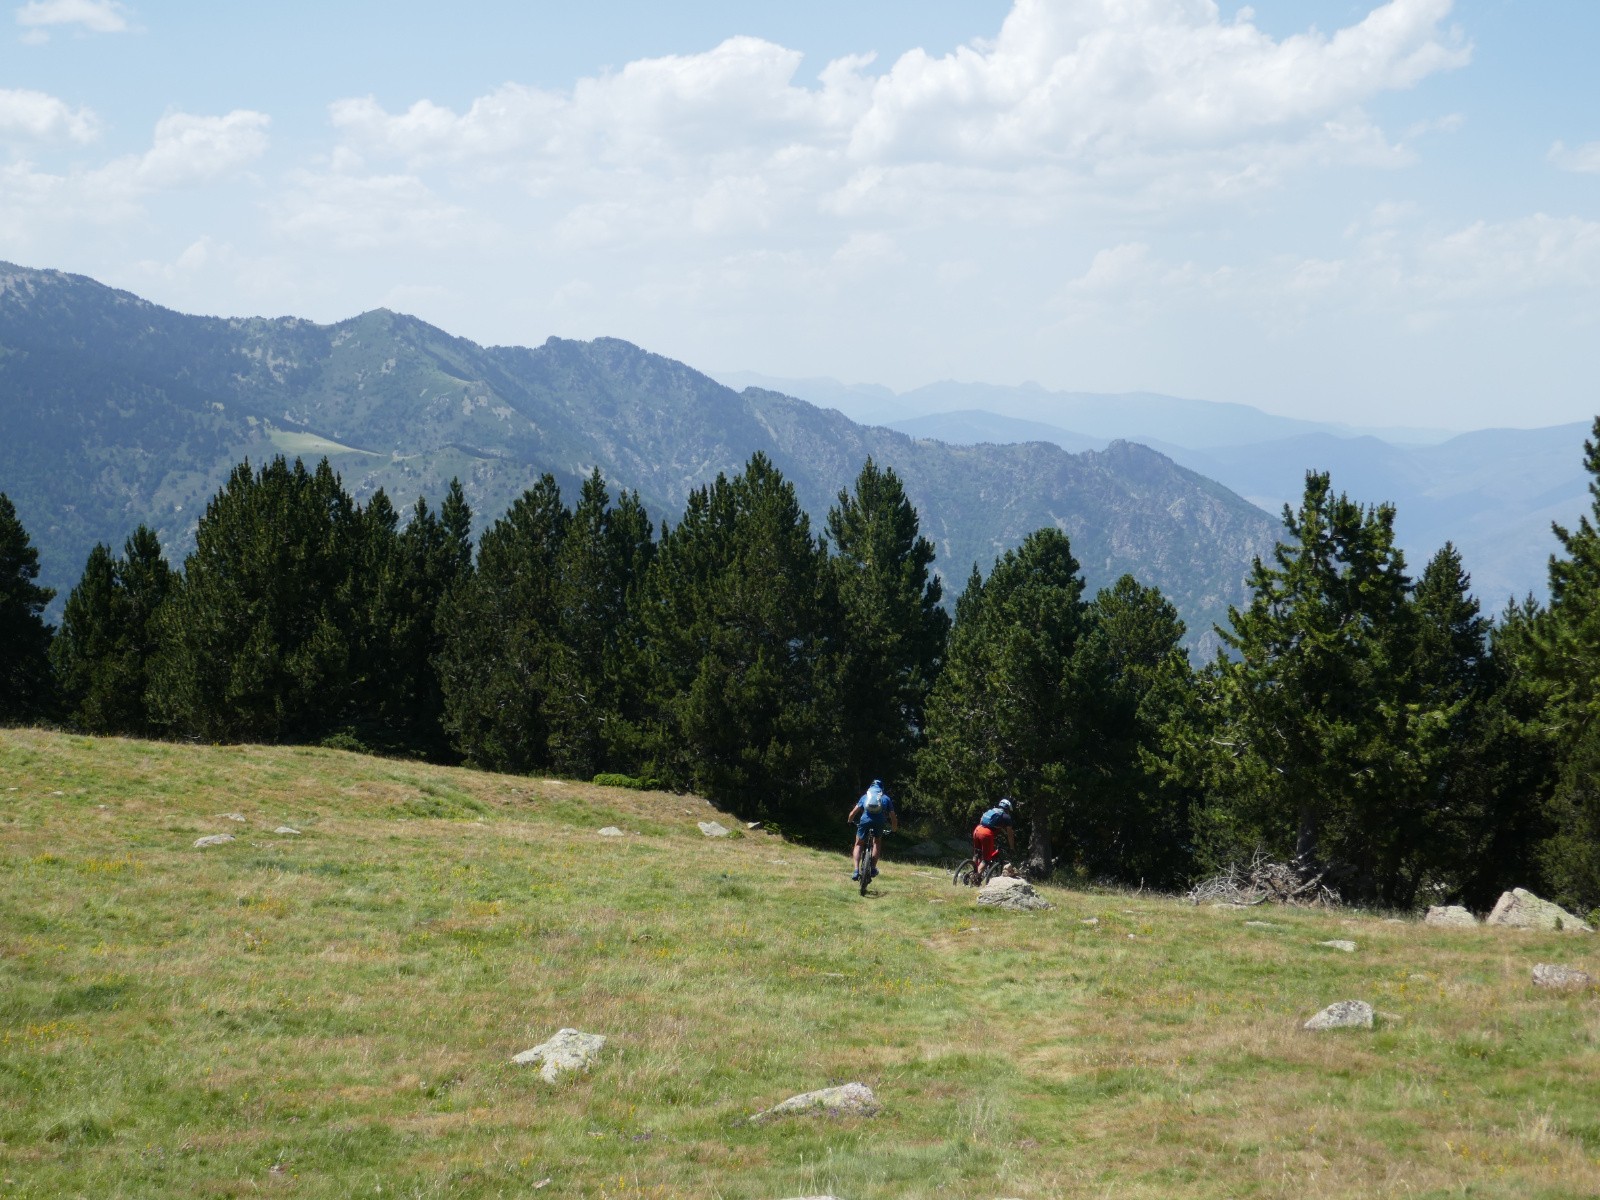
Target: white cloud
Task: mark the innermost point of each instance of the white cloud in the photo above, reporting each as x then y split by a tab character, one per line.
93	16
368	212
1160	100
188	150
1584	159
43	117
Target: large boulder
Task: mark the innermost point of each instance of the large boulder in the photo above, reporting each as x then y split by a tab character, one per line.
569	1050
712	829
1450	916
1521	909
1551	975
1346	1014
848	1100
1016	894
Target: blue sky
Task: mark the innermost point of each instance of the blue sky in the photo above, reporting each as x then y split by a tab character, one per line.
1377	212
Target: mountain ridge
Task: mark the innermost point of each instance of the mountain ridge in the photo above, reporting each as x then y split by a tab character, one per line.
118	411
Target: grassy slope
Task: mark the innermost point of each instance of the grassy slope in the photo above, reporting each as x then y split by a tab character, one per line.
332	1015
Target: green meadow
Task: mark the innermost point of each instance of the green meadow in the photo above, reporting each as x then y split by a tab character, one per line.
334	1014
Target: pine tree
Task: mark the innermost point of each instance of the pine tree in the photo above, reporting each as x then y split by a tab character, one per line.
895	629
1317	746
1565	653
1007	715
741	631
24	637
1133	821
256	638
499	629
588	704
108	637
436	553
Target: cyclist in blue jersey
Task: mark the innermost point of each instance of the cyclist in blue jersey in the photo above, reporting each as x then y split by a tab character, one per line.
983	848
872	813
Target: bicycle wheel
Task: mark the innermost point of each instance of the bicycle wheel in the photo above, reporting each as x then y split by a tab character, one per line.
965	875
866	865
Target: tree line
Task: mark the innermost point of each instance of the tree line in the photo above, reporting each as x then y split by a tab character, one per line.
1359	721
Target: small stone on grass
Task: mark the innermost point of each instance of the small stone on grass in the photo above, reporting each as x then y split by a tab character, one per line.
712	829
215	839
849	1100
1344	944
1346	1014
569	1050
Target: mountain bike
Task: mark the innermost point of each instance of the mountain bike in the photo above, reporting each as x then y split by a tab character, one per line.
967	875
868	870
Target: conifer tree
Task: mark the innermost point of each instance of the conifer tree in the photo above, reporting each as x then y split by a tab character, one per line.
591	703
108	637
894	627
742	630
1565	653
499	629
24	636
1007	715
255	639
436	557
1132	819
1317	746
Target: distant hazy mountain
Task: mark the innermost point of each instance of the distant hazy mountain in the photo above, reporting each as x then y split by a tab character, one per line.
115	411
1494	492
1138	416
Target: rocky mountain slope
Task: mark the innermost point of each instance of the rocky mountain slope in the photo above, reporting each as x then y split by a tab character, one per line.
114	410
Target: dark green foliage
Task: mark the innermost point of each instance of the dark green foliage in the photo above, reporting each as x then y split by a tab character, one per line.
742	631
594	699
1132	821
1008	714
612	779
894	627
24	637
498	632
1312	743
108	637
256	641
1564	658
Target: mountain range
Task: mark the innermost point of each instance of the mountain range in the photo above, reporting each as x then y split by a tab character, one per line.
1493	492
115	411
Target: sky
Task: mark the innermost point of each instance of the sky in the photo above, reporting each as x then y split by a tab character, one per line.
1381	213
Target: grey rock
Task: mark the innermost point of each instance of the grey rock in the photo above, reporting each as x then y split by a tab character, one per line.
1346	1014
1551	975
1015	894
927	850
752	824
1347	946
215	839
848	1100
1090	921
959	846
1261	925
239	817
1521	909
611	831
569	1050
286	831
1450	916
712	829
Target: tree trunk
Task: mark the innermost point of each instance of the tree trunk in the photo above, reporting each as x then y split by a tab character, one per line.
1305	844
1040	853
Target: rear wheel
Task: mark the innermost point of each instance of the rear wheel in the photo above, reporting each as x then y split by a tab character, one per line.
866	865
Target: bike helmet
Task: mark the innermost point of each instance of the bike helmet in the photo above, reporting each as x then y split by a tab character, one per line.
878	784
1006	804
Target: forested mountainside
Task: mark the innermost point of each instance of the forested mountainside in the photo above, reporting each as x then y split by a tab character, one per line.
114	410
